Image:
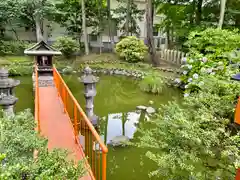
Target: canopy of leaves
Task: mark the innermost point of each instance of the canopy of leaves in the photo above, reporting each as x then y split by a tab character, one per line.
198	140
135	15
18	140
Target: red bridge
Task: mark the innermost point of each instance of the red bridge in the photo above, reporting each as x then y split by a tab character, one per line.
62	121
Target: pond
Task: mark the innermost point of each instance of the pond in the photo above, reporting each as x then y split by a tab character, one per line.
115	103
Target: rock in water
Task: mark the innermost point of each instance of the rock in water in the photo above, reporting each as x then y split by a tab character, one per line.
141	107
119	141
150	110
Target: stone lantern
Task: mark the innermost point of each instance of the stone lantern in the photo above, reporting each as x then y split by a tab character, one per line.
89	81
7	98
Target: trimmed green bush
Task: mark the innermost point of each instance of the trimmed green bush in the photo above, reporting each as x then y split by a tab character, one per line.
13	47
131	49
66	45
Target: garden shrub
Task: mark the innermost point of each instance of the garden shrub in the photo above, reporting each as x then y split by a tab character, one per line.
18	69
188	144
213	43
13	47
131	49
17	143
153	83
66	45
199	139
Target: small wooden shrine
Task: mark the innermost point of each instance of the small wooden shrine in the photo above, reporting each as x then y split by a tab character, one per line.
43	56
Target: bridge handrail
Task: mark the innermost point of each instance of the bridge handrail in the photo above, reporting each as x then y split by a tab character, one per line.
65	92
36	109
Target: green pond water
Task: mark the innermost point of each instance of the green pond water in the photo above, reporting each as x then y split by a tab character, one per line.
115	103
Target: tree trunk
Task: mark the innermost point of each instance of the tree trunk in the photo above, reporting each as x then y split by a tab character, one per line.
109	25
199	12
222	12
151	46
99	4
39	35
128	17
85	35
193	10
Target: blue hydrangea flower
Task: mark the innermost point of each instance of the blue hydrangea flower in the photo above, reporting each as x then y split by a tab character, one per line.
190	80
186	95
184	60
195	76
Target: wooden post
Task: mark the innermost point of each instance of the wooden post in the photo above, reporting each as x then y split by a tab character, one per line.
75	123
238	174
237	113
104	166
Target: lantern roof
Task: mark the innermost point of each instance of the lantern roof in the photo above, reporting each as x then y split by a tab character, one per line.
42	48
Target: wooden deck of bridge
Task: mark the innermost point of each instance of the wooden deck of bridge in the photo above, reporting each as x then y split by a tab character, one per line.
56	127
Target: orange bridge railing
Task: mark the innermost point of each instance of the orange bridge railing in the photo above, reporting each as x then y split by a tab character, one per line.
94	148
36	108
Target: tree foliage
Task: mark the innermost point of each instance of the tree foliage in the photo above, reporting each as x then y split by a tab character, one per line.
121	14
198	140
18	141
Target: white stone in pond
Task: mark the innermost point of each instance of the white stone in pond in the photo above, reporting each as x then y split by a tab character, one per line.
119	141
141	107
150	110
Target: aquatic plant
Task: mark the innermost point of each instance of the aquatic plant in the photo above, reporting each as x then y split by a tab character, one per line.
153	83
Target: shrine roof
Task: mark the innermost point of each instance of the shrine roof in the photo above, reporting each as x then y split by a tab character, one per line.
42	48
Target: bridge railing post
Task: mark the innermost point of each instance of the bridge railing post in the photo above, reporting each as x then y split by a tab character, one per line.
104	166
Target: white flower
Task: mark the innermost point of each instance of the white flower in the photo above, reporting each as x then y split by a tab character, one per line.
177	80
213	73
204	59
209	70
201	83
185	72
186	86
195	76
189	66
203	70
186	95
190	80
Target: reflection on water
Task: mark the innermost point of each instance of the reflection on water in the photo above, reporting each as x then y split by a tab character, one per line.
120	124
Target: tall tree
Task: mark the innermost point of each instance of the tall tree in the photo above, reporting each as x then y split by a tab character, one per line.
222	12
33	13
69	16
127	14
109	17
150	40
84	27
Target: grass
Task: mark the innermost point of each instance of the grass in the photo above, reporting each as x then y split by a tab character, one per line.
7	60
